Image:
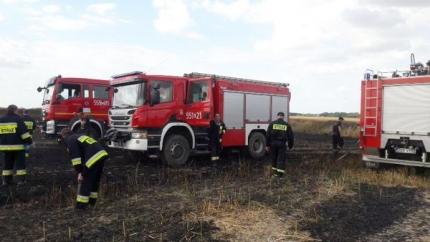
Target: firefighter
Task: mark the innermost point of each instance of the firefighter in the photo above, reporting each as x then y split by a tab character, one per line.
279	133
84	124
216	131
88	159
30	123
337	139
13	136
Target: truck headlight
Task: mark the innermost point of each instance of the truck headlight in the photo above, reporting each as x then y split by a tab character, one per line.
139	135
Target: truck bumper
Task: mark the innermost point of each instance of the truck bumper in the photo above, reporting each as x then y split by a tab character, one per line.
132	144
376	159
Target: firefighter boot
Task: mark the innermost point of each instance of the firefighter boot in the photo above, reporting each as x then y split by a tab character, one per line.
81	206
93	199
21	180
7	176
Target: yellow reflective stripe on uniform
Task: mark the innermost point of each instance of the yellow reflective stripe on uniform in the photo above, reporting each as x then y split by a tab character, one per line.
96	157
8	128
281	171
76	161
29	125
282	127
94	195
25	135
11	147
7	172
86	139
21	172
82	199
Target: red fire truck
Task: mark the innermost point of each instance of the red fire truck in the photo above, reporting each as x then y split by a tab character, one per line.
395	117
169	115
65	97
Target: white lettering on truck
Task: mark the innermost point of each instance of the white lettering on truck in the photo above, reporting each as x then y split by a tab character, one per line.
101	102
193	115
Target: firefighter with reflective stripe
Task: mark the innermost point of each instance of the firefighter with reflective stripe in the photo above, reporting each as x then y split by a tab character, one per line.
13	136
216	131
279	133
30	123
337	139
88	159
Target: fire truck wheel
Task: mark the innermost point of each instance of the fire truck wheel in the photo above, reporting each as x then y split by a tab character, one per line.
257	145
176	151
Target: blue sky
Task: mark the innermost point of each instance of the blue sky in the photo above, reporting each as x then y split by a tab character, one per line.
320	47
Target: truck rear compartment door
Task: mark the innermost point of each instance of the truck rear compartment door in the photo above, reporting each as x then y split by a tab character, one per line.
406	109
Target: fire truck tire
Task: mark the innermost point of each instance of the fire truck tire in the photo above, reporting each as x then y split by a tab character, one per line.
257	145
176	151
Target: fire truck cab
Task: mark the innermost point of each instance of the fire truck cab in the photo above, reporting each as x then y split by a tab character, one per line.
395	117
169	115
65	97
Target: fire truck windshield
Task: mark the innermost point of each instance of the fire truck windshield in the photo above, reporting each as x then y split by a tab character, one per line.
129	96
48	94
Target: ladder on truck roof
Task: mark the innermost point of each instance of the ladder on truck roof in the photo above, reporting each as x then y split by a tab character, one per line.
229	78
372	92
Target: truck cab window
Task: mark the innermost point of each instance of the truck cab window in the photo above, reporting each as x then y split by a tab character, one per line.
69	91
161	92
198	92
100	92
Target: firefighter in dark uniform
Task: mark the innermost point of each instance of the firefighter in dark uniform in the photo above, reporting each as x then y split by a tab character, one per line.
84	124
30	123
88	159
337	139
13	136
216	131
279	133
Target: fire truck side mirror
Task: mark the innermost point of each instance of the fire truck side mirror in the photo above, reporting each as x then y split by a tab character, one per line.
39	89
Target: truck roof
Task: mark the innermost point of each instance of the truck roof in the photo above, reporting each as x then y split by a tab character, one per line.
235	79
79	80
126	77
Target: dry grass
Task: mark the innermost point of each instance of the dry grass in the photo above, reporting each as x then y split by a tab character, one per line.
402	176
323	125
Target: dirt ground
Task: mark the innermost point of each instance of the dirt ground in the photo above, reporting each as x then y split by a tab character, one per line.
322	198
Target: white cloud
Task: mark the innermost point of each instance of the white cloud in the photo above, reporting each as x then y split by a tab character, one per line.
18	1
2	18
398	3
43	59
174	18
51	17
321	45
51	9
101	9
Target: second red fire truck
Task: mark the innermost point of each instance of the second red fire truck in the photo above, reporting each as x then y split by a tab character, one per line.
395	117
169	115
65	97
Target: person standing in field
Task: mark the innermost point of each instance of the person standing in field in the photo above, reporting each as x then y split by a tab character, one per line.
337	139
279	134
30	123
13	137
216	131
